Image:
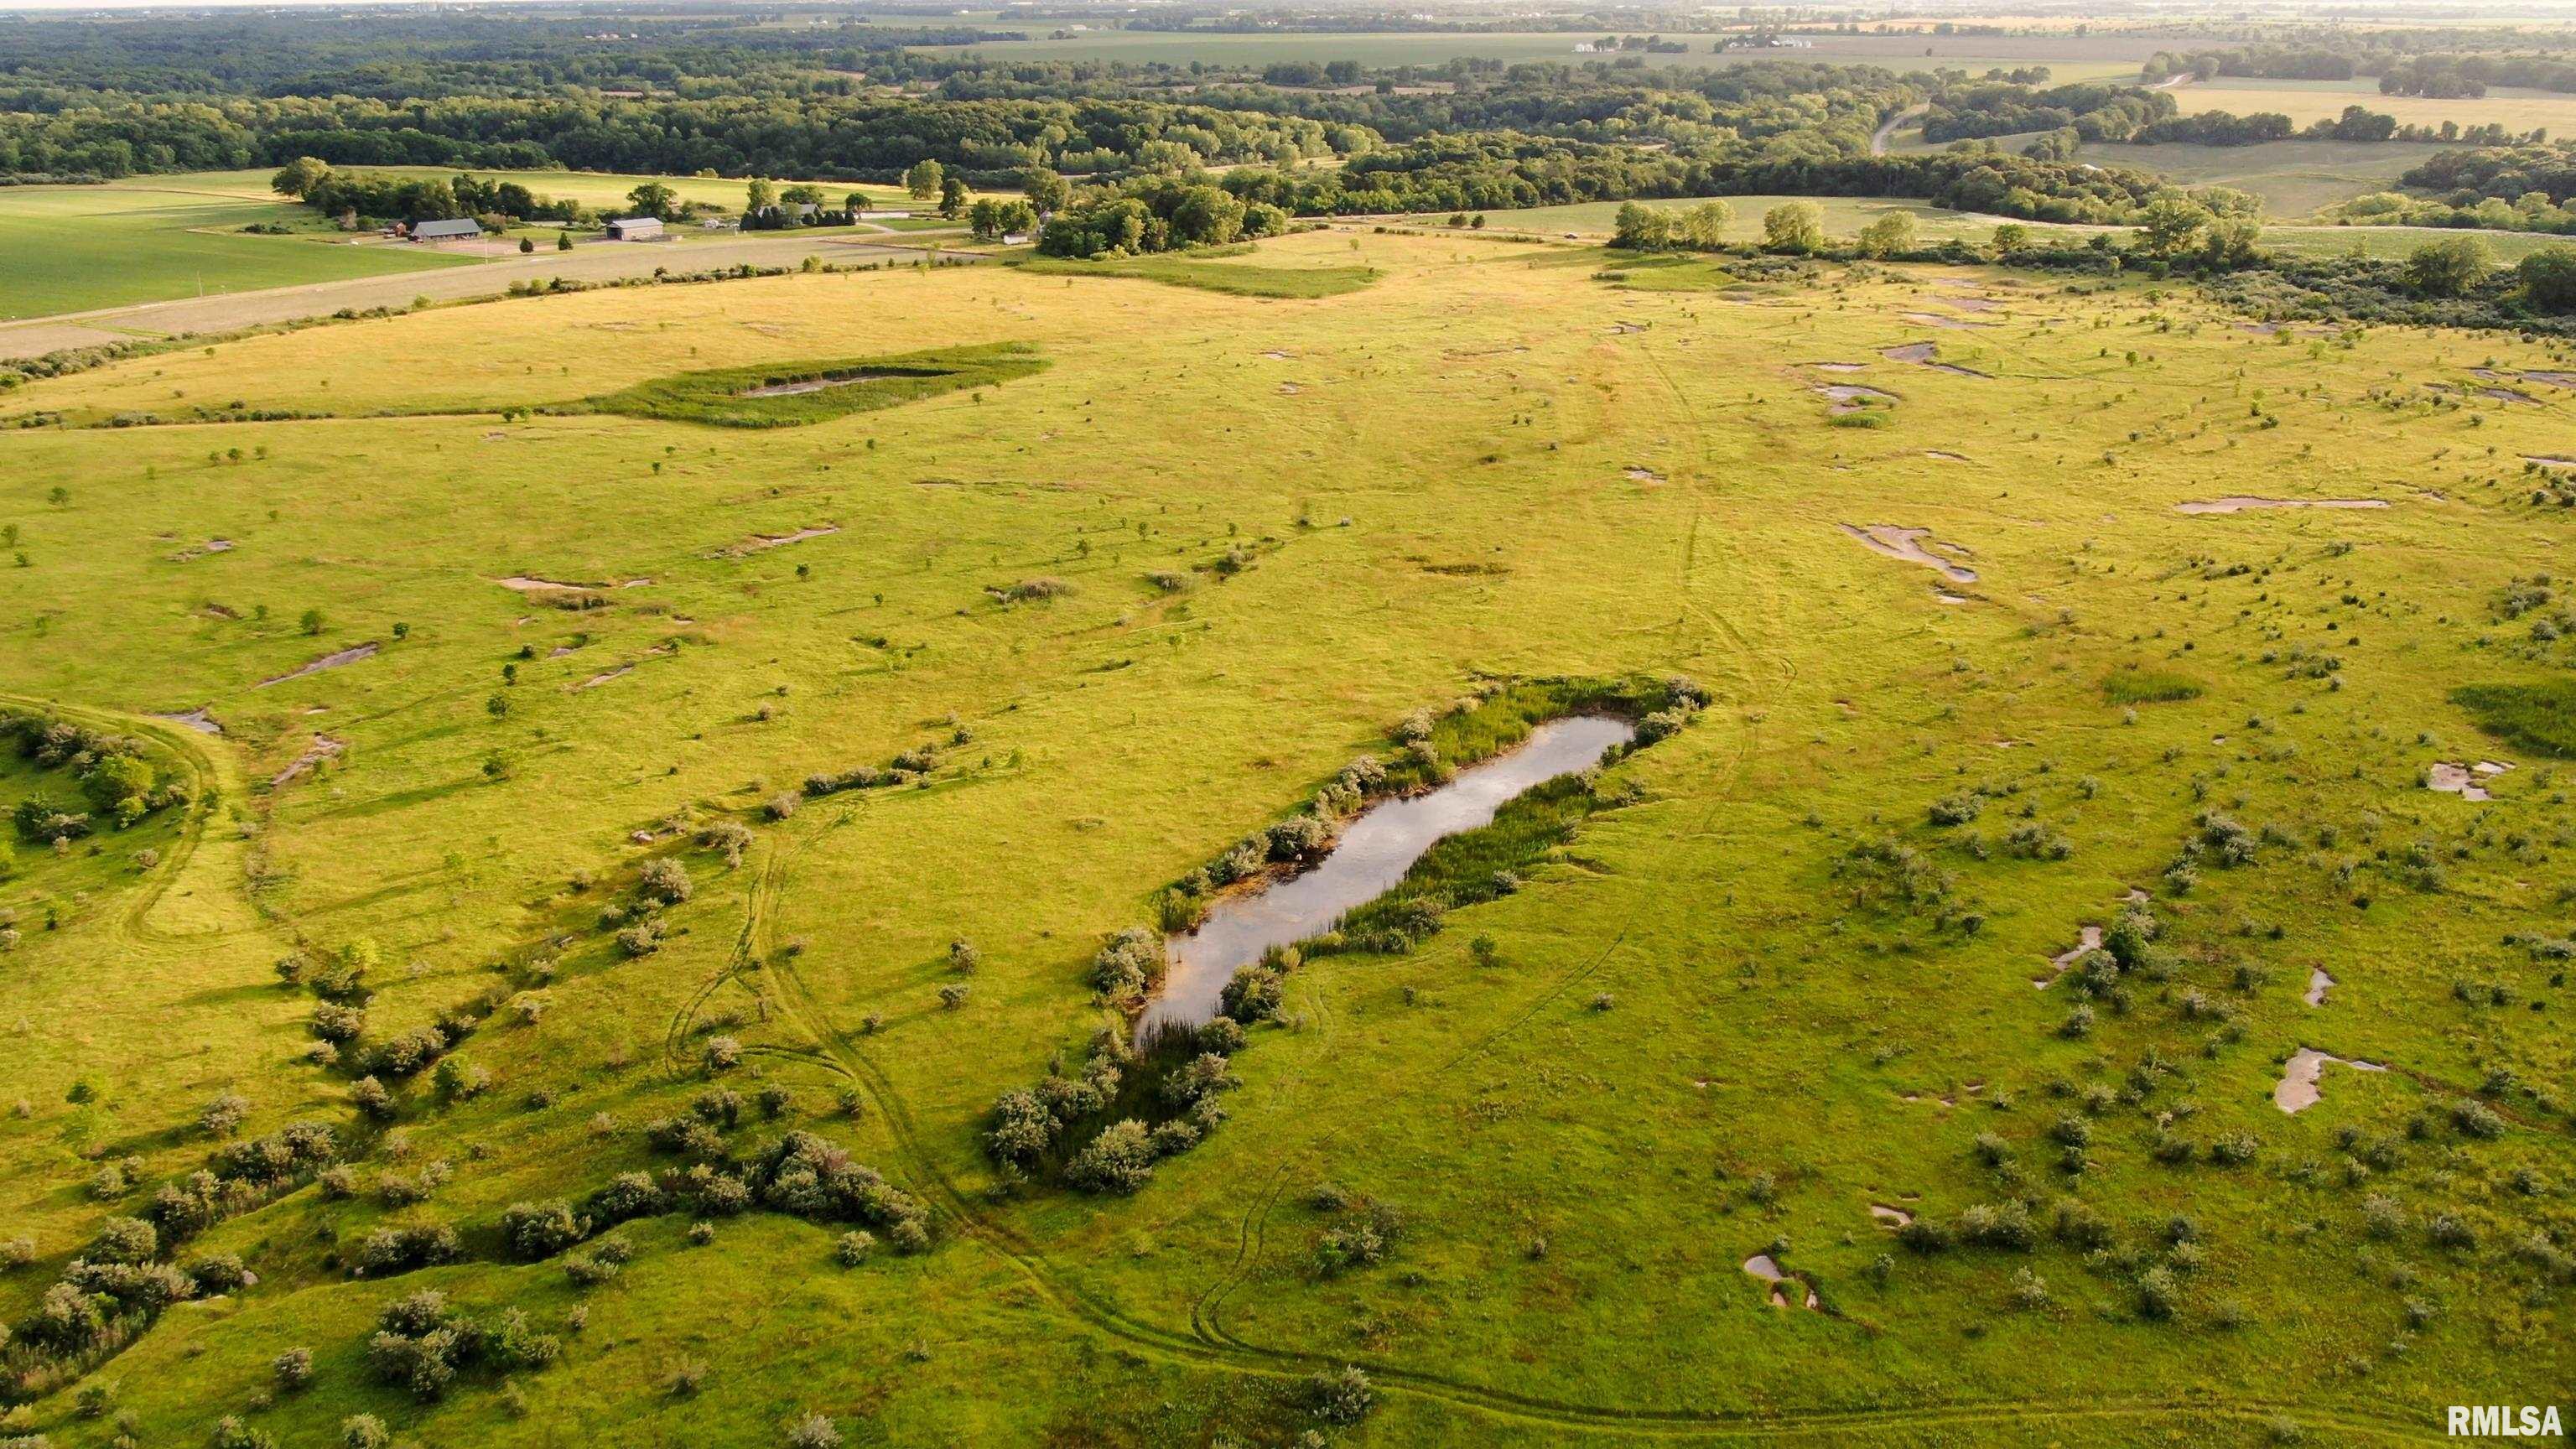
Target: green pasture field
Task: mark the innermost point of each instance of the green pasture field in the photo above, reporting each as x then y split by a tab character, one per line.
1748	998
151	238
73	248
2294	178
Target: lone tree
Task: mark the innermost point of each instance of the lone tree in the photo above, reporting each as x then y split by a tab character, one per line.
654	199
1047	191
759	196
952	198
1796	229
2549	278
2447	268
923	179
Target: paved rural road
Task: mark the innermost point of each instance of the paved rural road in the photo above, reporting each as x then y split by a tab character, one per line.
1879	139
600	261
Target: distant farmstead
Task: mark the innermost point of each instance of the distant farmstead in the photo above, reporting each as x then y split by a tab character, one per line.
462	229
635	228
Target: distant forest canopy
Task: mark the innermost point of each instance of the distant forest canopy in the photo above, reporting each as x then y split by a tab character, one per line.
668	92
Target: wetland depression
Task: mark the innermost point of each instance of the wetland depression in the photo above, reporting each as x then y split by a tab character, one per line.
1374	852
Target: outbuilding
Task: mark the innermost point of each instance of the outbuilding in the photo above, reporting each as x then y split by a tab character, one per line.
464	228
635	228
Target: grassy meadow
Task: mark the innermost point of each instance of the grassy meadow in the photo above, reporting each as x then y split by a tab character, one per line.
1124	609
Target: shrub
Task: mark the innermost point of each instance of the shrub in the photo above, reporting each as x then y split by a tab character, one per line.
1998	1225
1128	965
813	1431
721	1054
365	1431
1340	1398
663	880
952	995
2158	1293
728	838
232	1433
854	1247
541	1230
399	1250
224	1116
292	1369
1252	995
1119	1160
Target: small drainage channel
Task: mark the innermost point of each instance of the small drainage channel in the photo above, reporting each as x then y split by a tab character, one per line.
1375	851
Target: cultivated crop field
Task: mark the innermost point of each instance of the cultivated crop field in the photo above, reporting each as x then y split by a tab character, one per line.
791	764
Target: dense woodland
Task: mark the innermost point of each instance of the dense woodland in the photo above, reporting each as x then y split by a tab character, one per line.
1127	151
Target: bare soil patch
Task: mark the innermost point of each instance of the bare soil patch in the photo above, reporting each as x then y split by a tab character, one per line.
2240	503
1908	544
349	655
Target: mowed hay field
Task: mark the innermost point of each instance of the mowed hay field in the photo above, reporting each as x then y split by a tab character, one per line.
73	248
2514	108
1757	996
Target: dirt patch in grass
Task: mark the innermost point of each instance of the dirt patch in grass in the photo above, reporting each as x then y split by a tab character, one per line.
1927	319
760	541
813	384
1908	544
323	747
2239	503
349	655
2087	940
201	719
2298	1090
1762	1266
2450	779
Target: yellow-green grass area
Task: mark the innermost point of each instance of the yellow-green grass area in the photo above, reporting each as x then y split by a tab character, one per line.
1754	996
2304	101
73	248
1843	216
2294	178
1244	271
2399	241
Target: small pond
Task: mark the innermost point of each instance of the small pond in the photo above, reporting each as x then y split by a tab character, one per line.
1375	851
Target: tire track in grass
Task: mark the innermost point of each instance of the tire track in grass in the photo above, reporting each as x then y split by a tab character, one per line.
207	778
